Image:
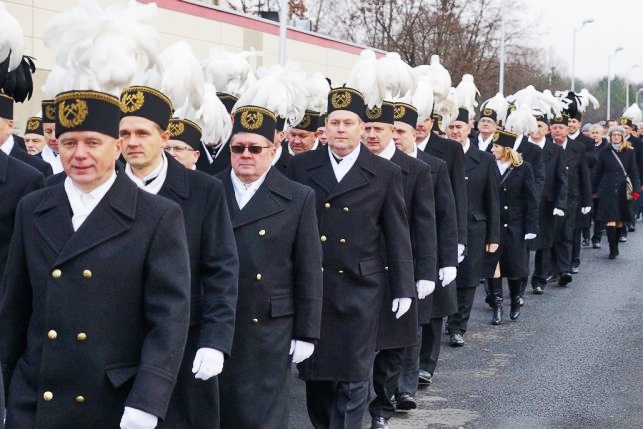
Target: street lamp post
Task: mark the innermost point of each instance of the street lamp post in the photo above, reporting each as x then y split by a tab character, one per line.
627	86
637	95
585	22
609	79
283	30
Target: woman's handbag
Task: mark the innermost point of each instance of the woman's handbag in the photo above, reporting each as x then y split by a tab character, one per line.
629	188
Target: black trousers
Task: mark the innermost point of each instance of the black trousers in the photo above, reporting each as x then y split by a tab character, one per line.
578	235
458	322
542	267
430	349
386	373
564	241
336	405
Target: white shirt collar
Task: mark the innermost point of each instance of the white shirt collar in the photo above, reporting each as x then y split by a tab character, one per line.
540	143
53	159
518	141
466	147
278	154
7	145
502	166
243	192
423	143
340	169
482	144
573	136
83	203
160	172
414	152
388	151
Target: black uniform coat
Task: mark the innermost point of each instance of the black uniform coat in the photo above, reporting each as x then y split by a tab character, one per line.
420	208
97	318
608	183
554	194
353	215
482	180
280	298
214	267
222	161
578	180
451	152
447	235
284	160
518	216
34	161
17	179
532	154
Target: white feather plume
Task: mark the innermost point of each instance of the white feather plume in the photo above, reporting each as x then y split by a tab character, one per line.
107	47
585	99
466	92
422	98
447	107
363	77
283	90
212	117
499	104
318	89
11	38
229	72
633	112
543	102
521	121
440	77
394	75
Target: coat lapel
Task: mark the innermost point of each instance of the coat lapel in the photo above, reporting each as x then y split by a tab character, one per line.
472	158
52	218
176	186
355	178
322	171
264	203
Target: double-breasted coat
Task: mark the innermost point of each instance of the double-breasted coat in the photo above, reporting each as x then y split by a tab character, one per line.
447	237
34	161
357	216
608	183
420	208
518	216
214	269
482	178
96	319
280	298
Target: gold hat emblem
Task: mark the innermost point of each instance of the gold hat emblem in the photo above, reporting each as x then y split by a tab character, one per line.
399	112
176	128
496	136
32	125
305	121
374	113
624	121
251	120
558	119
341	100
50	113
74	114
132	101
487	112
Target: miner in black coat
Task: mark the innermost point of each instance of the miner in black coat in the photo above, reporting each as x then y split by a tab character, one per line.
366	248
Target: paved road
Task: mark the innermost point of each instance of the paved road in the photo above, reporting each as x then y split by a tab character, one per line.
574	359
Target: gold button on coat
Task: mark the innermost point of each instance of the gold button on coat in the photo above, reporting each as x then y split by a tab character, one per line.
322	238
506	208
47	395
505	225
255	321
262	232
52	335
327	205
340	272
56	273
87	274
80	399
81	336
342	241
259	276
346	209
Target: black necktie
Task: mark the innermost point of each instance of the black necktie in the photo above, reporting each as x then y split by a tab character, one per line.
148	181
338	160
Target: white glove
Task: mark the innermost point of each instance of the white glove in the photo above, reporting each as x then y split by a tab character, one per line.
585	210
460	252
300	350
401	306
424	288
447	275
530	236
134	418
207	363
558	212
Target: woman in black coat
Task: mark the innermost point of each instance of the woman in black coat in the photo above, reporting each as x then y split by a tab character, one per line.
609	185
518	224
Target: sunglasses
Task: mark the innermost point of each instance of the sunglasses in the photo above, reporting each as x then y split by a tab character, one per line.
178	149
239	148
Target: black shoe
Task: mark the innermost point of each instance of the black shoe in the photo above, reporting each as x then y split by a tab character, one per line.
379	423
552	278
585	242
497	316
564	279
631	228
575	269
456	340
521	301
406	401
622	239
514	312
538	290
424	378
596	244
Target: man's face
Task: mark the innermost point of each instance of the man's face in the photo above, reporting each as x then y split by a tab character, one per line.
143	141
49	128
628	129
540	132
596	133
34	143
6	128
279	136
377	136
344	129
404	137
321	135
640	129
250	166
459	131
182	152
88	157
423	129
300	140
487	126
574	125
559	132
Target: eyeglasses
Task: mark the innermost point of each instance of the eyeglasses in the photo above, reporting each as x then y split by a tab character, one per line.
178	149
239	148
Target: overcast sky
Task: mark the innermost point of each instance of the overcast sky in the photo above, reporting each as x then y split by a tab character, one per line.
617	23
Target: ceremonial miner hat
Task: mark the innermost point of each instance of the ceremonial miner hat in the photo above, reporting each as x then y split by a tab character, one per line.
346	99
563	119
463	115
87	111
228	100
504	138
382	113
256	120
34	126
147	103
48	111
310	121
6	106
406	113
186	131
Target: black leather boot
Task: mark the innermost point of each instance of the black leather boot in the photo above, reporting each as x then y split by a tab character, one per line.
514	292
612	239
495	287
488	295
523	288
